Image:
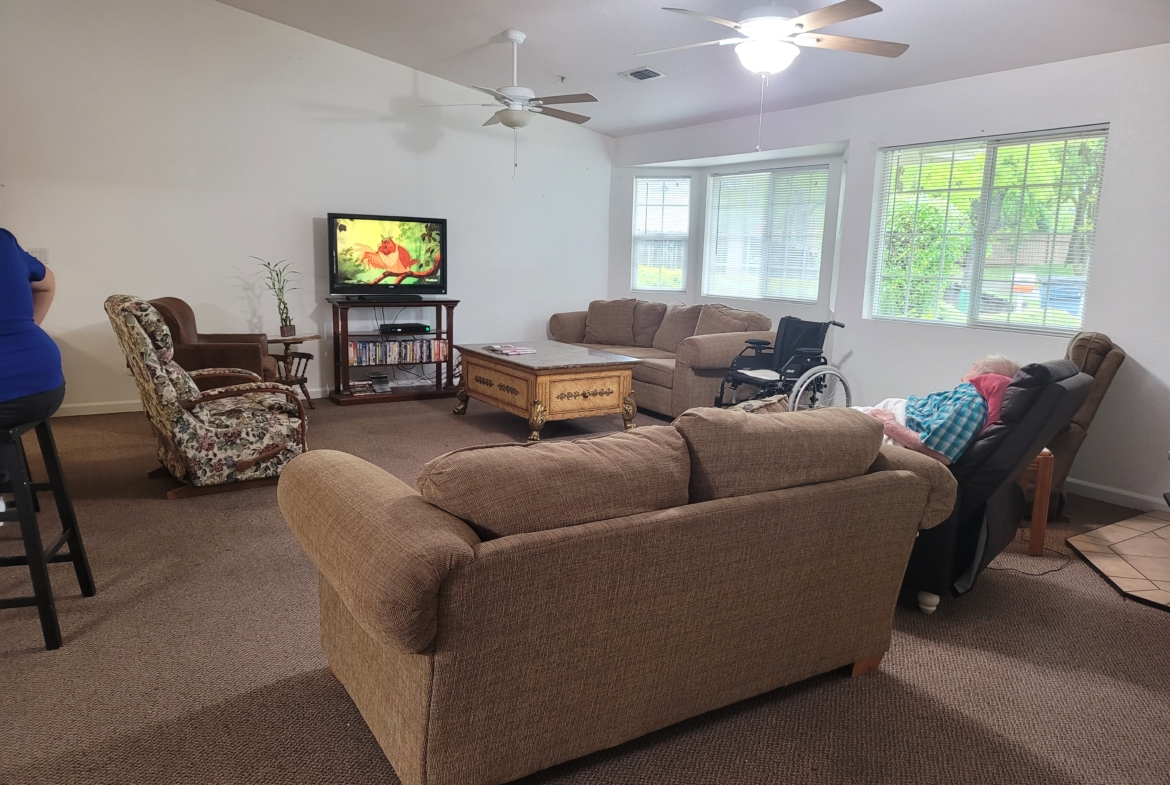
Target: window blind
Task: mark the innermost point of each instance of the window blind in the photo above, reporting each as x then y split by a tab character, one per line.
764	234
990	232
662	220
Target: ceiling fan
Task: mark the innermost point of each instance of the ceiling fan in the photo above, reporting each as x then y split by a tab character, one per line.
769	36
521	103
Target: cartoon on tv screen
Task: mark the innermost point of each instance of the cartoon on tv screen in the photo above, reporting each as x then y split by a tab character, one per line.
387	252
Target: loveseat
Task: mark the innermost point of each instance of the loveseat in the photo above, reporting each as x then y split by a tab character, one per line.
685	350
531	604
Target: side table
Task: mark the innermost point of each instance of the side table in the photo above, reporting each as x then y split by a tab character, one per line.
294	364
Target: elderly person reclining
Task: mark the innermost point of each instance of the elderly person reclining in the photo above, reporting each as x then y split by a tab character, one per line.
943	424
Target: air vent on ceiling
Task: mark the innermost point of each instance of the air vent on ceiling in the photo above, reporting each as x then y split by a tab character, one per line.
641	74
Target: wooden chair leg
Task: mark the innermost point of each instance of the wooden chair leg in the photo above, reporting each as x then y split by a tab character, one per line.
1044	463
869	664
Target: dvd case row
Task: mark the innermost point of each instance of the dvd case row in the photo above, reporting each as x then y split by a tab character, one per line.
419	350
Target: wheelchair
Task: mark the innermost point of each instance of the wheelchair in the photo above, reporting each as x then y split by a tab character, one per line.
793	365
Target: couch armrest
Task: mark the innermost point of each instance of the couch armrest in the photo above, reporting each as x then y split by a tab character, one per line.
943	486
192	356
716	352
379	544
568	327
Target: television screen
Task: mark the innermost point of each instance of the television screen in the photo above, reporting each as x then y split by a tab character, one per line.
373	254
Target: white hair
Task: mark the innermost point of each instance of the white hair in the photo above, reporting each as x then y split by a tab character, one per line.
997	363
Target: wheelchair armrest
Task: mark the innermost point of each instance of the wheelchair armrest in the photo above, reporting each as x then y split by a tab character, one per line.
757	343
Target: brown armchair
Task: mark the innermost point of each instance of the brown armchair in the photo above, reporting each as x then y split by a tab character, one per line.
1096	355
195	350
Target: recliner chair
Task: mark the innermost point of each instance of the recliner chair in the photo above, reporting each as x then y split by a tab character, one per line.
197	351
990	503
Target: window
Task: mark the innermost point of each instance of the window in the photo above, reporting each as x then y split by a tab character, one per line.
662	220
1011	219
764	234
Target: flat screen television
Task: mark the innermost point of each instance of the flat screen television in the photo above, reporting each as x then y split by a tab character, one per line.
387	256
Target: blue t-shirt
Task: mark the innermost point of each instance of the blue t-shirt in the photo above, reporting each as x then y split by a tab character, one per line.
30	362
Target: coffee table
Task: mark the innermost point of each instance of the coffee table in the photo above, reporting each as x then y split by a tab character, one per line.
559	382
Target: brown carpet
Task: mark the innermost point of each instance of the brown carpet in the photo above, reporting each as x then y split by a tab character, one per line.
198	661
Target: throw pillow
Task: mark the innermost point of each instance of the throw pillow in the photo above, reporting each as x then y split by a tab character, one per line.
713	322
678	324
611	322
647	319
508	489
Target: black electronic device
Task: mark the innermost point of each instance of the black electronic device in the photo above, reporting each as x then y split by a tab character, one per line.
405	328
383	258
375	299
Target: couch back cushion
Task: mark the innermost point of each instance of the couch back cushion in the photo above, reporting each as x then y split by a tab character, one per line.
678	324
713	321
508	489
647	319
752	320
737	453
611	322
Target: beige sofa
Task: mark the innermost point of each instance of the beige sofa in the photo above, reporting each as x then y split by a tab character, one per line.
685	350
536	603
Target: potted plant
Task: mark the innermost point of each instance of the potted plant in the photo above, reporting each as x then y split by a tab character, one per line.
278	282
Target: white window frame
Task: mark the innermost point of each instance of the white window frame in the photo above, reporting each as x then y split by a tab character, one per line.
635	237
981	235
828	228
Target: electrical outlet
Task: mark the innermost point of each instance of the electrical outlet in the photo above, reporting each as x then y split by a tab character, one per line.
40	254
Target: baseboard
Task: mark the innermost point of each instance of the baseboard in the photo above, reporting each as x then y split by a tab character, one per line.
1106	493
103	407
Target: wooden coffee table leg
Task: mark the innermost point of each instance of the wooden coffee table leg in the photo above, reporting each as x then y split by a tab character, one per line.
629	410
461	397
536	420
1043	489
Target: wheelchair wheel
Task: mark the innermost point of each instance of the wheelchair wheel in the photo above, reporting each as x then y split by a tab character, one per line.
820	387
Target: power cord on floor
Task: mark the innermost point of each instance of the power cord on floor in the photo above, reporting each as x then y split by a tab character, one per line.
1065	563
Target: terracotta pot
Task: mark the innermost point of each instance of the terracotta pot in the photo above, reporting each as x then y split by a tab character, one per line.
288	330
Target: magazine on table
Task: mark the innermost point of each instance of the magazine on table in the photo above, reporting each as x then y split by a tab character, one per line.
509	349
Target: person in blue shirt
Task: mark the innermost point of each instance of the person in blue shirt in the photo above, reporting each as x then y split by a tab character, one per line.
32	385
943	424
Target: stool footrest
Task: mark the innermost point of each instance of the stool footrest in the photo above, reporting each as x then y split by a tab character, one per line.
17	602
22	561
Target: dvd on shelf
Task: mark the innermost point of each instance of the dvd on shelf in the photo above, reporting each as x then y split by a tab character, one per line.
397	352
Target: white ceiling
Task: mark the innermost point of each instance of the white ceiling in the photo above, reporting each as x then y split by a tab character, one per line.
591	41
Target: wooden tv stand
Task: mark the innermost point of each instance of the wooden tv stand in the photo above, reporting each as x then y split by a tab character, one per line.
444	387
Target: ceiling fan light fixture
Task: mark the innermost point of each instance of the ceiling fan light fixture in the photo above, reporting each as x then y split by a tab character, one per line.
766	57
767	23
514	118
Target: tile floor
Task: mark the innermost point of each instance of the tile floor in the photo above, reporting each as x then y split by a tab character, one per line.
1133	555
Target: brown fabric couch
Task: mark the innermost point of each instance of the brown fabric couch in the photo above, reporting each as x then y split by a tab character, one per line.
685	350
195	350
477	660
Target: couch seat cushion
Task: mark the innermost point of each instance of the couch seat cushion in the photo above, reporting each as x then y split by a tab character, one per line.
678	324
736	453
505	489
642	353
660	372
610	322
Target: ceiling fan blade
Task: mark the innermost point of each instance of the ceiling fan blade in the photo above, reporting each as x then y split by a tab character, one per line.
715	19
496	94
432	106
832	14
690	46
561	114
575	98
493	120
843	43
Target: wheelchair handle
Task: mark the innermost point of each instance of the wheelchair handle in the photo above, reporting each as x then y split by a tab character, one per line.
837	324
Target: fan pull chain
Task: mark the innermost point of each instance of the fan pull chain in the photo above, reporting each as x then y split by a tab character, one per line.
515	152
760	128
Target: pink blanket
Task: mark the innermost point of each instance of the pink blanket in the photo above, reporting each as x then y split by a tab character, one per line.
991	387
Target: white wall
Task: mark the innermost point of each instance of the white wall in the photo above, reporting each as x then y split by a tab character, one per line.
1124	458
152	146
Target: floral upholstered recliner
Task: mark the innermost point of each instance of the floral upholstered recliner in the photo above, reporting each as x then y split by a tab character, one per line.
221	436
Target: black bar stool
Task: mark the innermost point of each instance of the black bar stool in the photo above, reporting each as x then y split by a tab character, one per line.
18	482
